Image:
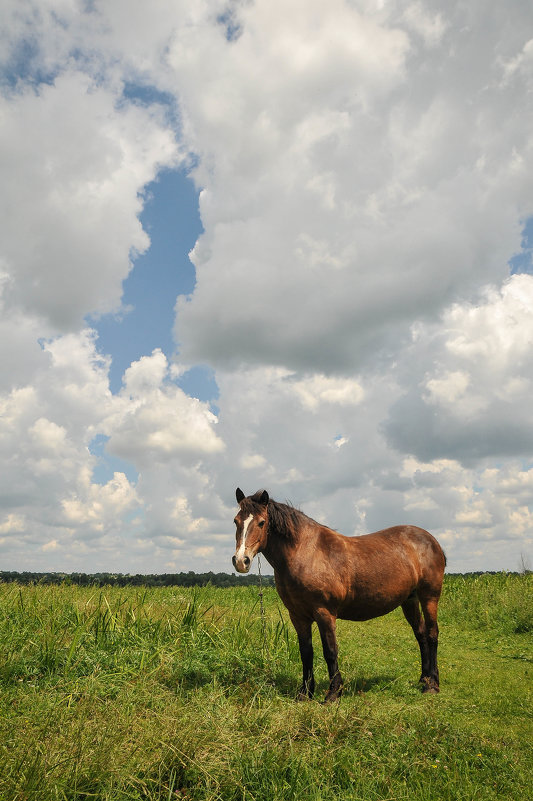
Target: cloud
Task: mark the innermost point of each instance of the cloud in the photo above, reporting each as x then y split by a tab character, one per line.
316	390
279	434
470	380
96	504
47	470
157	421
12	523
347	196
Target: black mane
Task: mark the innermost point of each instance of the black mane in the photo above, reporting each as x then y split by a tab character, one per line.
285	520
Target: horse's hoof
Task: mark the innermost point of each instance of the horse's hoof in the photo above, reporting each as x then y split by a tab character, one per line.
429	686
332	696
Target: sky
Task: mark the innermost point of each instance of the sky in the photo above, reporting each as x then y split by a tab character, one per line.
278	244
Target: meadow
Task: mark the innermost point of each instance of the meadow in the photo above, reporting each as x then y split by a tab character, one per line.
172	693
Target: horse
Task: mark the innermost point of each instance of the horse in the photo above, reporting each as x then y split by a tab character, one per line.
322	575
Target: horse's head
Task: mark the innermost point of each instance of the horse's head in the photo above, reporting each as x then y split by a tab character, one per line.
252	526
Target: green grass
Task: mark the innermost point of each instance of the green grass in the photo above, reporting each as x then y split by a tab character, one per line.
170	693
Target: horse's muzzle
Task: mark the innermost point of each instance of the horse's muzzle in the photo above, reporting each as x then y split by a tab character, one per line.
241	564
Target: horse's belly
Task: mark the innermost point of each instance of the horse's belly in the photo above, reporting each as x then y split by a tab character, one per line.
366	609
364	613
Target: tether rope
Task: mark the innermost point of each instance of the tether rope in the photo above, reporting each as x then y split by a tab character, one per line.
263	618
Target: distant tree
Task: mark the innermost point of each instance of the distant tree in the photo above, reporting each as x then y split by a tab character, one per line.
524	565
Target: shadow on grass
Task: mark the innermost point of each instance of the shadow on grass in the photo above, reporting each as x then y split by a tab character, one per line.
267	680
287	685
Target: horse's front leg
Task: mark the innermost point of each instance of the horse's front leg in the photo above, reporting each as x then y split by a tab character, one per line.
326	625
305	641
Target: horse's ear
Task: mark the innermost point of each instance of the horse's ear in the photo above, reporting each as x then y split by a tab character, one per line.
263	500
239	494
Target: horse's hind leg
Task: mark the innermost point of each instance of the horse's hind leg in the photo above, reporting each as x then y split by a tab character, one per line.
326	625
428	650
429	606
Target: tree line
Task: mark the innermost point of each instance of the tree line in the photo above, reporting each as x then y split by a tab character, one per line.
189	579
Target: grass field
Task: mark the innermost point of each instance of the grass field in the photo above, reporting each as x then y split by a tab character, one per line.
183	694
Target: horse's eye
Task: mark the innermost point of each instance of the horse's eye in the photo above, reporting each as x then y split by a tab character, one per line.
261	523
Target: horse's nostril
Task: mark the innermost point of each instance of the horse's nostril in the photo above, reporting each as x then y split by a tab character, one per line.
233	561
246	561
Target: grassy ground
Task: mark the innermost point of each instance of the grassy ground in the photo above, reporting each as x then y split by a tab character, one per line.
176	694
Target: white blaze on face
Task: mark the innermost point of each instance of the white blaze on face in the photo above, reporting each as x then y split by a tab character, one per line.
240	553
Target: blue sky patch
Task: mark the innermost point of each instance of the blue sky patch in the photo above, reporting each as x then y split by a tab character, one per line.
107	464
172	220
523	262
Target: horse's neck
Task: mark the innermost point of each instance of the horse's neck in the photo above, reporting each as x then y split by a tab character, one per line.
279	547
276	553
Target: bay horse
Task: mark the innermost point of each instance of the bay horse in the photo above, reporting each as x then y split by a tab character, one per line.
322	575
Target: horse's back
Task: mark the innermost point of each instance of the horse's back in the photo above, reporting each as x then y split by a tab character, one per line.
400	549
